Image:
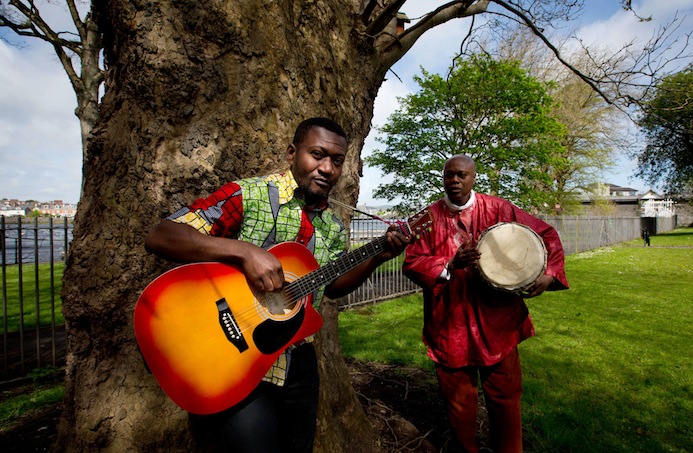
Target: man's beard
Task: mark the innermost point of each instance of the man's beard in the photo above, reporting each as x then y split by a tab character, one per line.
312	197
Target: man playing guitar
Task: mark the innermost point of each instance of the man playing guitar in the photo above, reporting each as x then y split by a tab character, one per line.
236	225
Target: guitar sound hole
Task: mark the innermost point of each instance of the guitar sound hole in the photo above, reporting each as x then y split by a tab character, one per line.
276	303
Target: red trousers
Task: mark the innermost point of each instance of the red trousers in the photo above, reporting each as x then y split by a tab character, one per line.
502	387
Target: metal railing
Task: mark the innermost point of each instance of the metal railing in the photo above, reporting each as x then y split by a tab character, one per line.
579	234
32	327
31	254
388	281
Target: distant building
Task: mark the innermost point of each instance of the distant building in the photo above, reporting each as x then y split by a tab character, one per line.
617	191
55	208
654	205
11	211
627	201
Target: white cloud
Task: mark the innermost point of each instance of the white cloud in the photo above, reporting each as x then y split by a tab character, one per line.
40	144
623	27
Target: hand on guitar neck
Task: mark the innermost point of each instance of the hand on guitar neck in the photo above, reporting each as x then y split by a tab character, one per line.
394	242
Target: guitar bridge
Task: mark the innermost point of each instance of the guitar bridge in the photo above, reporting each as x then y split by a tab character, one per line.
230	326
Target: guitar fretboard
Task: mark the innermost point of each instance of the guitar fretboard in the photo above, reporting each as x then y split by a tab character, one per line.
325	275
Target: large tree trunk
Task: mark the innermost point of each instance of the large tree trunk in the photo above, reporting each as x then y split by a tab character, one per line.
197	93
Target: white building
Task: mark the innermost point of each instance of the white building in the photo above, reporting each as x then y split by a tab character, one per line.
653	205
11	212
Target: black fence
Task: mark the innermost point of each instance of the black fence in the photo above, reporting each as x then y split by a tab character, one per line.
32	256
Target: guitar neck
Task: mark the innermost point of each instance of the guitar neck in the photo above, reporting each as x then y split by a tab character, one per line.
325	275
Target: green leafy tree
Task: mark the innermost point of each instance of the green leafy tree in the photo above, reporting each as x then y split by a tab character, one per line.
667	123
489	109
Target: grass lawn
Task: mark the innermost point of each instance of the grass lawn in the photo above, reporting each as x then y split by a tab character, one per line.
29	295
611	367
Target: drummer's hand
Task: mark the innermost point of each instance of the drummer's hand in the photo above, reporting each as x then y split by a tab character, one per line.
465	256
539	287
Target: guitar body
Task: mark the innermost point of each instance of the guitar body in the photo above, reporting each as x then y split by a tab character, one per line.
209	338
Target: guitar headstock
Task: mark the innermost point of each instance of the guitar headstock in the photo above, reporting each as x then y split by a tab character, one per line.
419	222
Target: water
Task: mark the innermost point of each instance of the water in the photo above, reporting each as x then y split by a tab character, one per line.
367	228
31	246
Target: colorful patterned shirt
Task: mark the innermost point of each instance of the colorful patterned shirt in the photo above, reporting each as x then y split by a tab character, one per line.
264	211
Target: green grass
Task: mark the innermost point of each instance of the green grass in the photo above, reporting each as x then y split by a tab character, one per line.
16	406
389	332
29	295
680	237
611	367
45	390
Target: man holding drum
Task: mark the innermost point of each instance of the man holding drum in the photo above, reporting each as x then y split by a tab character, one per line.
472	328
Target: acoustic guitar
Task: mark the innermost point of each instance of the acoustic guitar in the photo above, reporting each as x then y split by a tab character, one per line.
209	337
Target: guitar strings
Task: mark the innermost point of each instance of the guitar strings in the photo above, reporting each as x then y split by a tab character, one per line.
294	296
303	286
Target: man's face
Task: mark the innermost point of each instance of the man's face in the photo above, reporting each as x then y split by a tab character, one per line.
459	176
317	162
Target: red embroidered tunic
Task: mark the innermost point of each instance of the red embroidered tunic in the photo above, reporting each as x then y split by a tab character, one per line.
466	322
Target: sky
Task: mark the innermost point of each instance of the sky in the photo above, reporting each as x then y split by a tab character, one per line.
40	145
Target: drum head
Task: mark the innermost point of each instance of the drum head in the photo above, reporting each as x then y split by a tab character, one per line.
513	256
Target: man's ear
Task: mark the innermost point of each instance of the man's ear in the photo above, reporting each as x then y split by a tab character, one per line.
291	152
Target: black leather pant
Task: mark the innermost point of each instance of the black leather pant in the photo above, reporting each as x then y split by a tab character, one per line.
277	419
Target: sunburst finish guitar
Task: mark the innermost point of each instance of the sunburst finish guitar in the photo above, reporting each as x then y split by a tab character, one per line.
209	337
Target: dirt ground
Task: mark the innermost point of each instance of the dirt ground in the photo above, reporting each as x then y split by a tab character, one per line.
406	408
402	403
34	431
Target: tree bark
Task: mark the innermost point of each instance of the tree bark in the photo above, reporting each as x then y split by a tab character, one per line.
197	93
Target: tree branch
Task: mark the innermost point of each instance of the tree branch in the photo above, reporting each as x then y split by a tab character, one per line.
452	10
34	26
86	76
539	33
74	14
368	10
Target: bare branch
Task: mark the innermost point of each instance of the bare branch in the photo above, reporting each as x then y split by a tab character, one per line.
540	34
628	6
24	18
368	10
74	14
31	24
452	10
